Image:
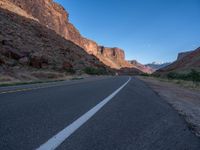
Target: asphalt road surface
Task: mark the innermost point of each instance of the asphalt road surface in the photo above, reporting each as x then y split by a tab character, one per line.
107	113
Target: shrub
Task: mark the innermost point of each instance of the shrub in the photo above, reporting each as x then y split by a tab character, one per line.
146	74
172	75
71	71
95	71
192	76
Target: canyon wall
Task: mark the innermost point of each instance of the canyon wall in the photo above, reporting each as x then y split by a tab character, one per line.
54	16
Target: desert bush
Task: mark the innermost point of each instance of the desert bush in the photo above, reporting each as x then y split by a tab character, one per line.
172	75
95	71
146	75
193	75
71	71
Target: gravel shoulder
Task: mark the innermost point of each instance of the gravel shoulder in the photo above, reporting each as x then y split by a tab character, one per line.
186	101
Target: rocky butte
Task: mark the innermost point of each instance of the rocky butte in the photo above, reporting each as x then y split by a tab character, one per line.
54	16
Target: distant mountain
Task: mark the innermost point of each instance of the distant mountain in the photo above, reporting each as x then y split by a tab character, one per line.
157	65
185	62
141	67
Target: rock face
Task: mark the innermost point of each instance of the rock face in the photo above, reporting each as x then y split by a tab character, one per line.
25	44
114	57
9	5
54	16
184	64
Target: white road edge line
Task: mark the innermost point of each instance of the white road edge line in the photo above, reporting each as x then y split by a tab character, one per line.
60	137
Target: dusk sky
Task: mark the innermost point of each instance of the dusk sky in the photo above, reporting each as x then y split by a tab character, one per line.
148	30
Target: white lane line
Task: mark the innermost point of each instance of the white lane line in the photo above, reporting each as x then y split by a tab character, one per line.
60	137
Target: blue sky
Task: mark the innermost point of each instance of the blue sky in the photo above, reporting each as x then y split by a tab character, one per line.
148	30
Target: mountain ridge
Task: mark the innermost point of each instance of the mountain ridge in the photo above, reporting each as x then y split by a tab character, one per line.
156	66
186	61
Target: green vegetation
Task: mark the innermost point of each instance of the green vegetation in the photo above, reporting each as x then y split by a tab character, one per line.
95	71
193	75
146	75
77	78
188	80
71	71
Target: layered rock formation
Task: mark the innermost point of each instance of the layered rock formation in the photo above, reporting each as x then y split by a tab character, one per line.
184	64
54	16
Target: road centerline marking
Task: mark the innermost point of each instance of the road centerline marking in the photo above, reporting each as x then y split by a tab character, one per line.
44	86
27	89
61	136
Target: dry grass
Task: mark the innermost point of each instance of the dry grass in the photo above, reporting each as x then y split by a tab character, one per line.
181	83
19	78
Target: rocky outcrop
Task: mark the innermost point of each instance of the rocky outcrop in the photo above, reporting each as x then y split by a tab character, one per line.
114	57
54	16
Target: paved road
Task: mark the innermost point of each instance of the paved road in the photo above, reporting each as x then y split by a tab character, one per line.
135	119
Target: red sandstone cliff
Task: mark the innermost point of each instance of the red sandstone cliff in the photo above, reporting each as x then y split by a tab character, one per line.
54	16
29	50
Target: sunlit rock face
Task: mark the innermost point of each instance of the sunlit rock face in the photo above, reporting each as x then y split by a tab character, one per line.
54	16
113	53
115	57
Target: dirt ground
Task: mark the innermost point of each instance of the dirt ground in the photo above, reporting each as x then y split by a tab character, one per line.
186	101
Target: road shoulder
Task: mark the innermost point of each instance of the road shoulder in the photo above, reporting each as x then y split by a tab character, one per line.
185	101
